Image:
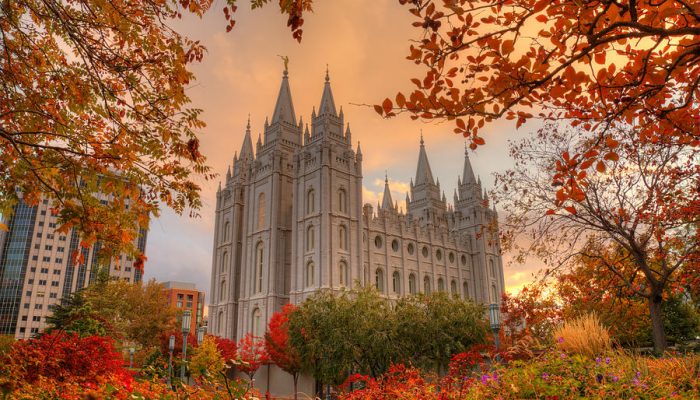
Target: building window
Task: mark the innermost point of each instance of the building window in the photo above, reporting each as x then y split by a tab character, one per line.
256	322
453	287
494	294
492	269
441	285
258	273
342	201
179	304
396	282
310	274
426	285
438	255
425	251
310	238
378	242
412	284
310	201
222	323
343	237
262	204
464	260
451	257
410	248
343	273
379	280
395	245
224	261
222	290
227	228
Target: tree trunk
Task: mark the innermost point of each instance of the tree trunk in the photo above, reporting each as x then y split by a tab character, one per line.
657	324
296	379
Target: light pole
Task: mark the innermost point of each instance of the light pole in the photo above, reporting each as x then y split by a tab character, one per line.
495	319
131	357
171	348
200	334
186	319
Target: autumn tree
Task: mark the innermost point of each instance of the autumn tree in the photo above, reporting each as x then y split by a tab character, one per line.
533	312
94	113
638	220
278	347
251	355
597	64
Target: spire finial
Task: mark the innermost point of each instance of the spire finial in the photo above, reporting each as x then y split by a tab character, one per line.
248	126
465	148
328	78
421	137
285	59
386	177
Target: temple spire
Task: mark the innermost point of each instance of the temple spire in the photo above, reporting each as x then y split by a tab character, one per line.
284	108
327	104
423	173
467	172
387	202
247	147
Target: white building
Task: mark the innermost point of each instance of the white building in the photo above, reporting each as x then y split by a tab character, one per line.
290	220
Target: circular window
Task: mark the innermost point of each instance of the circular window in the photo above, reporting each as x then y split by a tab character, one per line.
410	248
438	254
378	242
464	259
451	257
425	251
395	245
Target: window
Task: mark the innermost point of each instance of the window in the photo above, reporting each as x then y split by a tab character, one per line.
38	306
53	295
28	293
425	251
30	281
441	285
46	259
378	242
34	330
58	260
395	245
310	201
57	272
310	238
54	283
35	258
36	318
310	274
453	287
379	280
343	273
426	285
60	249
26	305
24	318
224	261
492	269
38	234
438	255
494	294
44	270
42	282
410	248
261	210
258	273
451	257
343	237
227	227
464	260
256	322
342	201
222	291
412	284
32	269
396	282
221	322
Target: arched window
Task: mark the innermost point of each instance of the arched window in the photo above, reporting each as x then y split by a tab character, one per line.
453	287
224	261
396	282
222	290
342	201
256	322
222	323
426	285
310	238
379	280
227	228
492	269
310	274
441	285
343	237
465	290
494	294
310	201
343	273
412	284
258	273
261	210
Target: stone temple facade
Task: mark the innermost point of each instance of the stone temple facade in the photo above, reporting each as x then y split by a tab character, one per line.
290	221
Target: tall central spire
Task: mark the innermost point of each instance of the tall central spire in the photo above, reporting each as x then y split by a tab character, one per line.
387	202
247	147
423	172
327	103
468	172
284	108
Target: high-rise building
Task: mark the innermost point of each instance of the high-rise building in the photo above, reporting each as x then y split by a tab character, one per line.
290	221
36	269
185	296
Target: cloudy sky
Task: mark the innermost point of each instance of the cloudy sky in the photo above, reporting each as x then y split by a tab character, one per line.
364	43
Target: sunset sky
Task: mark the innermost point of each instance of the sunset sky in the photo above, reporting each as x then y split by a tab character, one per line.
364	43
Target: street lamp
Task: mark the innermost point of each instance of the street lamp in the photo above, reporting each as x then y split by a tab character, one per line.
186	319
200	334
495	319
131	357
171	348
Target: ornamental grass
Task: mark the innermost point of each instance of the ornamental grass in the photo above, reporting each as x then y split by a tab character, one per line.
584	335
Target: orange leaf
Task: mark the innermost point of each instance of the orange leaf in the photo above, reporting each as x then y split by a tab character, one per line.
400	100
600	57
378	109
600	166
387	105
